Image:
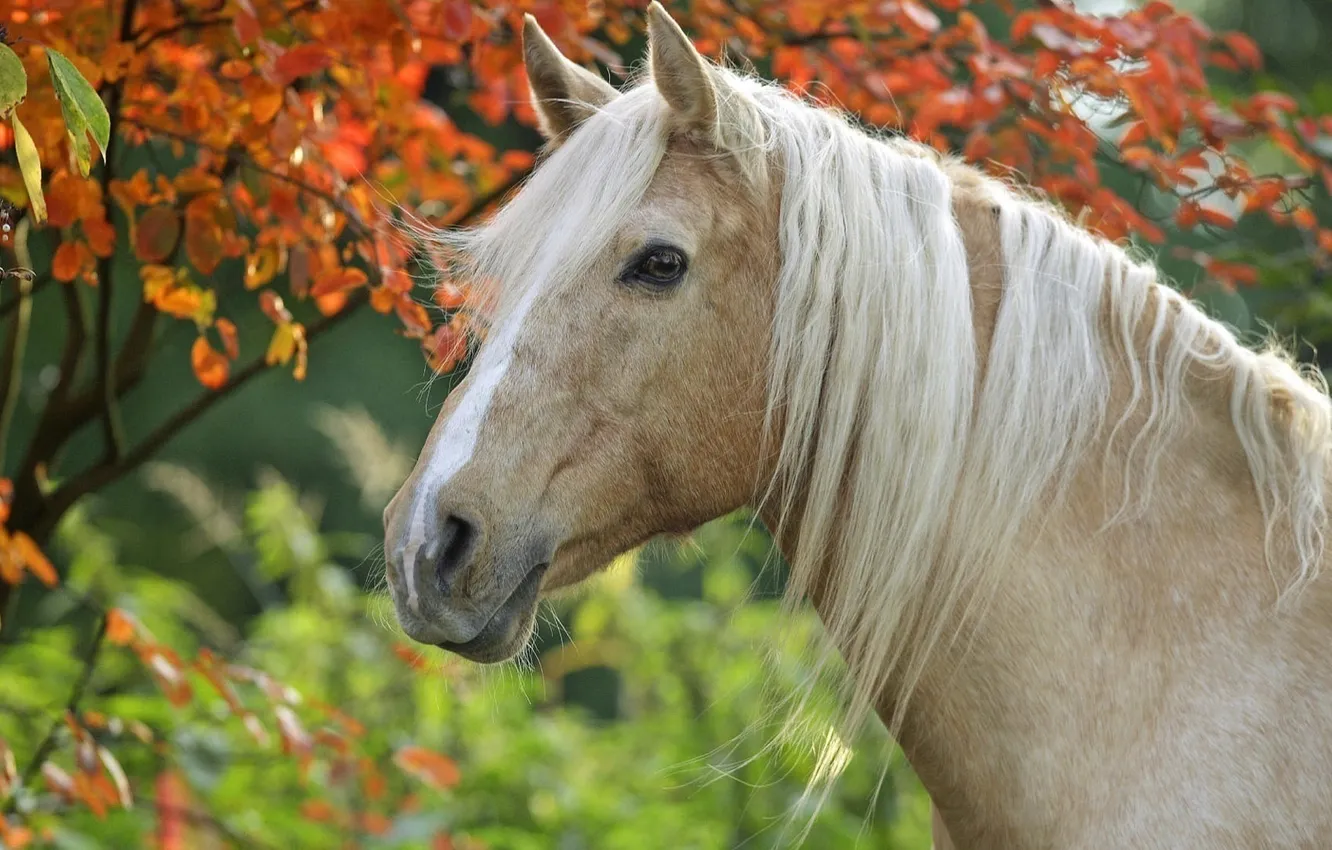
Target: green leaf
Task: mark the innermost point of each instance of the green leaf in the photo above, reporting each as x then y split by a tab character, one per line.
13	80
84	111
30	165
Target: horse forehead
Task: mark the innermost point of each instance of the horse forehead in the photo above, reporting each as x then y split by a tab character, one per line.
692	194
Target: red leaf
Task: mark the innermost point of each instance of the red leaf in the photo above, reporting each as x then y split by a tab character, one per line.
300	61
1245	49
155	234
444	347
101	235
1241	273
203	234
271	303
1279	101
1215	217
248	30
1187	215
226	330
457	19
173	804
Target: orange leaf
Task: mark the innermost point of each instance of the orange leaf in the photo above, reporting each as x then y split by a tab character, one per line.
382	299
413	316
319	811
210	367
436	770
449	296
31	555
193	181
181	302
101	235
339	279
120	627
68	261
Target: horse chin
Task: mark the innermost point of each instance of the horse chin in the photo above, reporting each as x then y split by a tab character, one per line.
506	632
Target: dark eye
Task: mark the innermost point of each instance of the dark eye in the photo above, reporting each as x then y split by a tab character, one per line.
657	267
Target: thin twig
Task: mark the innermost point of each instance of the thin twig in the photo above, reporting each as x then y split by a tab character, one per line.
71	705
13	303
11	370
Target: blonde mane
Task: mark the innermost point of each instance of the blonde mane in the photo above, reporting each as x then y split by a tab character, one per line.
928	468
909	460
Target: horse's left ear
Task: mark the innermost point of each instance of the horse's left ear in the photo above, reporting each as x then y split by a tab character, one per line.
564	94
679	72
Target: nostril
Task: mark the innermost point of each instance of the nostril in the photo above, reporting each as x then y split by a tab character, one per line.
457	538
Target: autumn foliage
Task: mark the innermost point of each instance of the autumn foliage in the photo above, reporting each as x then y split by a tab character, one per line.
275	147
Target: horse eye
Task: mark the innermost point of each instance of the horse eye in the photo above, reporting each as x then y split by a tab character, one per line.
656	267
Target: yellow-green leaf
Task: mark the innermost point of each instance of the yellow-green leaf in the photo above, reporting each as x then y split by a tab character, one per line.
30	164
13	80
83	109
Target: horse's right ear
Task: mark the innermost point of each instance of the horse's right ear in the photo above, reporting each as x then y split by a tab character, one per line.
564	94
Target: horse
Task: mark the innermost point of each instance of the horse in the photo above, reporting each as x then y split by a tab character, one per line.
1064	531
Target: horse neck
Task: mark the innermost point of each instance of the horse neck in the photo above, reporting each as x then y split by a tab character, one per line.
1012	711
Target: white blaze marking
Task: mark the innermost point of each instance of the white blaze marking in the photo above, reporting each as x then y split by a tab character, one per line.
455	446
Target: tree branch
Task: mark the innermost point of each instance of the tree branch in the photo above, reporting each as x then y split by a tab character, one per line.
104	473
11	368
112	429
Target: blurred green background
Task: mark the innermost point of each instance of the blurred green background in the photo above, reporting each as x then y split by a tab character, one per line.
648	732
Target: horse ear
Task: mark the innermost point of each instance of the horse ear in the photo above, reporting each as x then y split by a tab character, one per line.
680	73
564	93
